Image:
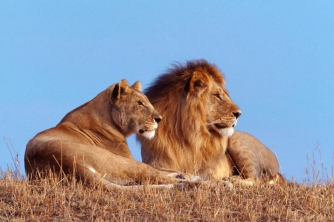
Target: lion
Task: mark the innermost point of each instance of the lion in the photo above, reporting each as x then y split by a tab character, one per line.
90	142
197	133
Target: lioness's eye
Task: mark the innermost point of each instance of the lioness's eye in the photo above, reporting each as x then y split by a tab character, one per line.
140	103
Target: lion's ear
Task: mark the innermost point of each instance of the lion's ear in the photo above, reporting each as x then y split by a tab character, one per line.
137	86
197	82
119	89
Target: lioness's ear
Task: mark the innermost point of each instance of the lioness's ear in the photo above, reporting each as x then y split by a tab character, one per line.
119	89
197	81
137	86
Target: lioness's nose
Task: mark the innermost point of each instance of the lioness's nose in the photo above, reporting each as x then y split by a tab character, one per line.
158	119
237	114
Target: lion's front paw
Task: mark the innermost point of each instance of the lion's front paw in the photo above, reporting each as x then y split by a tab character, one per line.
236	180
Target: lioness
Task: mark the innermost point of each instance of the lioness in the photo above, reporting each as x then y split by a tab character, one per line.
89	142
198	127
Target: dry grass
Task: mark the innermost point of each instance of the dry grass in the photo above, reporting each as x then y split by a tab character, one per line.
53	200
50	199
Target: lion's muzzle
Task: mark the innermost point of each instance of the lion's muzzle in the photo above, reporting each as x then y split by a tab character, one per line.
225	126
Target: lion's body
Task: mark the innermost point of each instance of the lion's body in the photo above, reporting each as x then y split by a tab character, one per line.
189	140
192	137
252	158
90	141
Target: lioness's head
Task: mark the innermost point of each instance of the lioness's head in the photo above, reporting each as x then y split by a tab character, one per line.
132	111
194	99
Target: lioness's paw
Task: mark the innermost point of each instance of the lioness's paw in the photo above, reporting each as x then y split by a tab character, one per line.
188	182
187	185
177	175
195	179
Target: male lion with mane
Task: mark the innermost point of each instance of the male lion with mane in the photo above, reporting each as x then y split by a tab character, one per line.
197	133
90	142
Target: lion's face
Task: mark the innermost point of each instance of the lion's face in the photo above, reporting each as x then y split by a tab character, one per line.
132	111
221	113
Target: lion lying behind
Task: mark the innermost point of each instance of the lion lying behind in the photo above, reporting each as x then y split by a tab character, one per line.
198	127
89	142
253	159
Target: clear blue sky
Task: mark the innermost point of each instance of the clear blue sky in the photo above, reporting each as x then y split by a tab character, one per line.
278	59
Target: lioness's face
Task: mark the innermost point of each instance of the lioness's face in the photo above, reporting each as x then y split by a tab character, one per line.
222	113
133	112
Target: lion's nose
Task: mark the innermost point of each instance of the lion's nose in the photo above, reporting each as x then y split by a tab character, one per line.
237	114
158	119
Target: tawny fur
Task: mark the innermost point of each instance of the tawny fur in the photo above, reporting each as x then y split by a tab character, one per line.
193	99
253	159
90	141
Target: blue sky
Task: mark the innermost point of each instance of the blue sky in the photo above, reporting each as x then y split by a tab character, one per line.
278	59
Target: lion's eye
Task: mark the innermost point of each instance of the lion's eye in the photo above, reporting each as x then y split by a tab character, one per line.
218	96
140	103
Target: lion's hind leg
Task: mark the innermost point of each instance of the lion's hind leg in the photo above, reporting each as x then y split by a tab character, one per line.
253	159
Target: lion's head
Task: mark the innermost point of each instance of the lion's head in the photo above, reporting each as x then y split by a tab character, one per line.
221	113
132	111
198	115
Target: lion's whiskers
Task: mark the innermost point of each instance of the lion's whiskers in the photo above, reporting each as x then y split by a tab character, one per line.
214	122
220	120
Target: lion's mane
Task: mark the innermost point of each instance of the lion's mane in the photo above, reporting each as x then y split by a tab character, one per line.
182	140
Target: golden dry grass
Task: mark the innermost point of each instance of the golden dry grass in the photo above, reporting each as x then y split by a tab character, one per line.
52	200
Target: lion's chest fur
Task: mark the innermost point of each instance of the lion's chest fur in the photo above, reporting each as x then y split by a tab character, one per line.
210	160
204	156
